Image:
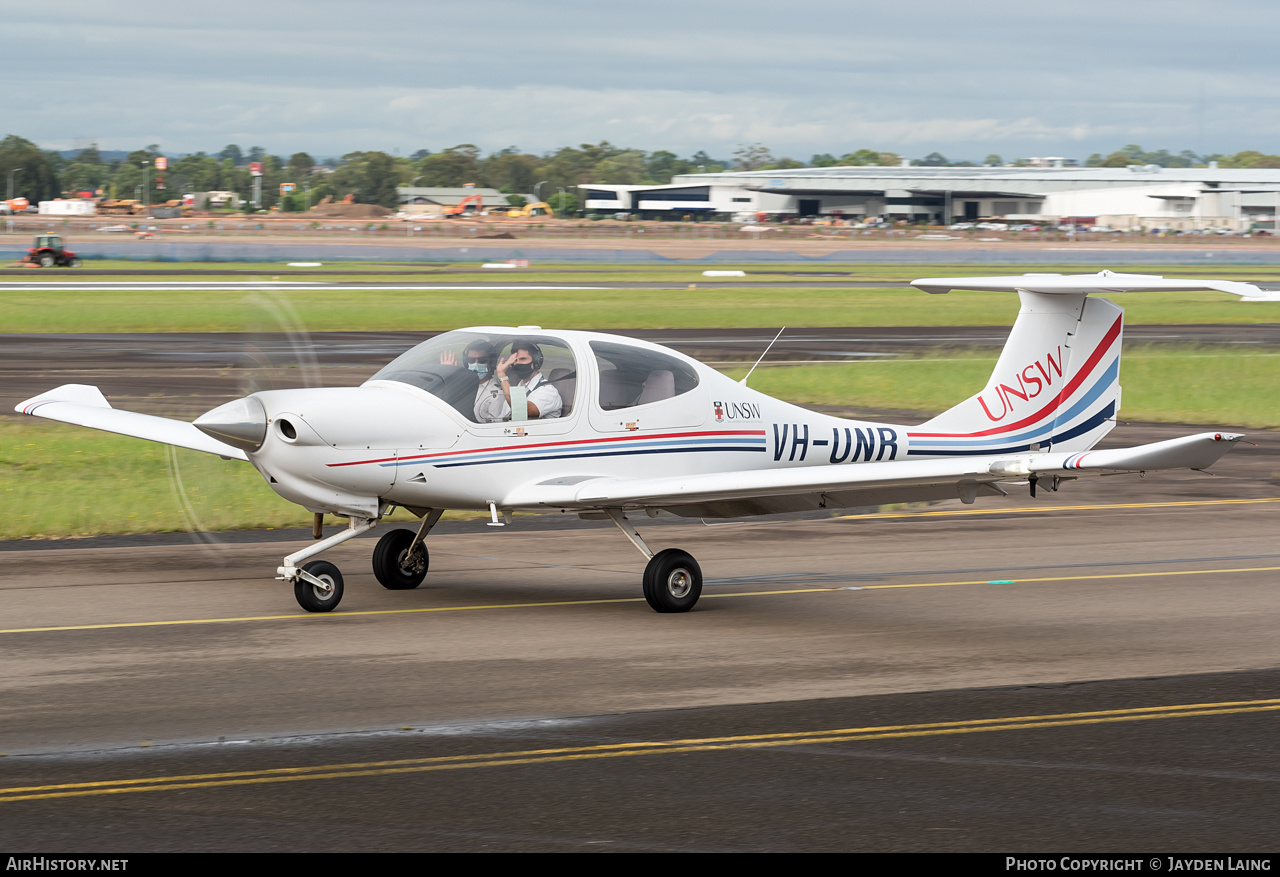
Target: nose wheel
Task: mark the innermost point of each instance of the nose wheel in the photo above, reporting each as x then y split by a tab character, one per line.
320	588
672	581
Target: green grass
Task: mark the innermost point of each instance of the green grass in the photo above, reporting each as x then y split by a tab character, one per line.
320	311
60	480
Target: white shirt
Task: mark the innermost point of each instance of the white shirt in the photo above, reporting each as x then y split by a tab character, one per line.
492	405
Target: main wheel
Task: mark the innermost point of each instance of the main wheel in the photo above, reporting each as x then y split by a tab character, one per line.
672	581
394	566
314	598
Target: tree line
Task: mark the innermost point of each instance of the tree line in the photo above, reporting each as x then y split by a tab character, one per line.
372	177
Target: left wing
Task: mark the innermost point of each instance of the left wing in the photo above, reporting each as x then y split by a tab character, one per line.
766	491
84	405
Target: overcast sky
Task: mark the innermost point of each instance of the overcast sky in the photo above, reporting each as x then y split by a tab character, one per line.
961	78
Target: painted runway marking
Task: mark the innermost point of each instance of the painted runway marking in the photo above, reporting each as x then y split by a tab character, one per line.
1059	508
552	603
632	749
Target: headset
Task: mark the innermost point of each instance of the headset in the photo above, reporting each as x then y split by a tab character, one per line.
534	350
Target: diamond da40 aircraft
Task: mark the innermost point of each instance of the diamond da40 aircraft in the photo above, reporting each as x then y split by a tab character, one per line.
506	419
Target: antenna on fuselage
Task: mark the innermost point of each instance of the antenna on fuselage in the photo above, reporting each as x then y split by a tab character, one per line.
762	356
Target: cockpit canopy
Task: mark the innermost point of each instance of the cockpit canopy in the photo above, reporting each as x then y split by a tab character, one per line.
630	374
440	366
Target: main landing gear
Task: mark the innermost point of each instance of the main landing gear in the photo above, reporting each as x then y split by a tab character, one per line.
400	562
672	579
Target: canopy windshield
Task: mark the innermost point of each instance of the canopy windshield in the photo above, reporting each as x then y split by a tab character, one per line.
444	366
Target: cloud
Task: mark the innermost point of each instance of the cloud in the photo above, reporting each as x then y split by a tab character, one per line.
329	77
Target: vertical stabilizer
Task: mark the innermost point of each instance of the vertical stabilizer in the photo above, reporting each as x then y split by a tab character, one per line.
1056	384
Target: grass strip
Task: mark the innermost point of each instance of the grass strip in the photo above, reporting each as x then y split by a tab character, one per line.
59	480
99	311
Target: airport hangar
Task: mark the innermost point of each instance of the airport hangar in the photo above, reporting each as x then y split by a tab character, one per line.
1138	196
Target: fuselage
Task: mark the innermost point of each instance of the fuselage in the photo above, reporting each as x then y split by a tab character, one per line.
347	450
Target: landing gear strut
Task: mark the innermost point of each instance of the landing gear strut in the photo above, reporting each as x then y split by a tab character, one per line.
672	578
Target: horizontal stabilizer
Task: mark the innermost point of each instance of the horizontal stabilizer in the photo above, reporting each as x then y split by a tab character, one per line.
1105	281
83	405
1189	452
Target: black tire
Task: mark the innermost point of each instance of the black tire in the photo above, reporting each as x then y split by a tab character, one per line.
73	263
393	566
47	261
313	599
672	581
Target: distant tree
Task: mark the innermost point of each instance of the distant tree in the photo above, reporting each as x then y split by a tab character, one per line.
420	155
752	157
933	159
1116	159
862	157
825	159
993	160
256	153
563	203
370	176
517	200
510	170
455	166
91	155
232	152
661	166
781	164
1251	158
300	165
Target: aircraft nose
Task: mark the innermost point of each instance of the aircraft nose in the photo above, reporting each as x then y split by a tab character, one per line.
241	424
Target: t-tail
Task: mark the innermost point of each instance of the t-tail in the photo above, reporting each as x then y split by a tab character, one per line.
1056	386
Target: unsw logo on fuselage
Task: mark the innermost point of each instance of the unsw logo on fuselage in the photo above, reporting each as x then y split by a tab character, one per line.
1032	381
736	411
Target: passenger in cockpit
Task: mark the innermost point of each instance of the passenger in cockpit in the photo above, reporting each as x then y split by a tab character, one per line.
481	357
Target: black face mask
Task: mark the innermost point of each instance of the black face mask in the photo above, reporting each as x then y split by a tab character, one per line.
522	370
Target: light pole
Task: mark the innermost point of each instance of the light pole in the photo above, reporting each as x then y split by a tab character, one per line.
146	196
562	210
11	173
306	187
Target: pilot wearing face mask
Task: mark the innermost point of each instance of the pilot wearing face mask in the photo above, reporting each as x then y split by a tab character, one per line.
522	369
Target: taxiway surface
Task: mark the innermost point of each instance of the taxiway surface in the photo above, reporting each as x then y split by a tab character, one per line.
1114	642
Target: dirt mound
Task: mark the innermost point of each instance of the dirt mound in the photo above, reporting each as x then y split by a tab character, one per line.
349	211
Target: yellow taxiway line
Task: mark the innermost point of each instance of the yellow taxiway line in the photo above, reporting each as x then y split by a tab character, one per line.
1056	508
624	750
552	603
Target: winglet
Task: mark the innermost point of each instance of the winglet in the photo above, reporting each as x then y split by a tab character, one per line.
80	394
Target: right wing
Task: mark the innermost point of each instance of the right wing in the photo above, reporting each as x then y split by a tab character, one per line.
83	405
768	491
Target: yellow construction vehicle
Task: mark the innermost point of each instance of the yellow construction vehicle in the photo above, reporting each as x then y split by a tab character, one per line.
538	208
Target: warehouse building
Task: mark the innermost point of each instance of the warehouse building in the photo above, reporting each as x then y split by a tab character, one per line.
1139	196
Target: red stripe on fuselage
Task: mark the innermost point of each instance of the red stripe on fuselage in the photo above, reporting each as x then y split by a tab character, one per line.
1108	341
621	438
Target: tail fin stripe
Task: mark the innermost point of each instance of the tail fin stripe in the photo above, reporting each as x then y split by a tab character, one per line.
1108	341
1100	387
969	450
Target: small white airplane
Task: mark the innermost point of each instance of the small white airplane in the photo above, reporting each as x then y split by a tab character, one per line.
523	419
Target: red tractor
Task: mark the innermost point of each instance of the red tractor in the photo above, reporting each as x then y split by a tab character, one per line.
49	253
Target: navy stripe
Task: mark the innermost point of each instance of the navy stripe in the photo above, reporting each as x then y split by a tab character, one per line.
1079	429
572	456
